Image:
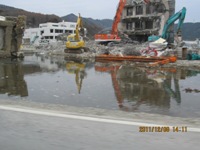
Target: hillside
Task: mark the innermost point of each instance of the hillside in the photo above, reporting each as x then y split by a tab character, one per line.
33	19
191	31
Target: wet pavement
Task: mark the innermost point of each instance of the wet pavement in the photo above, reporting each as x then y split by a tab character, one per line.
22	131
110	86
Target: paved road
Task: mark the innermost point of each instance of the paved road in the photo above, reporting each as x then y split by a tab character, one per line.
27	131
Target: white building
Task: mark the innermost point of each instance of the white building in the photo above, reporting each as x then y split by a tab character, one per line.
47	32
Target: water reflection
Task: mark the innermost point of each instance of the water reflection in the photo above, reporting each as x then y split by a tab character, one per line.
76	82
12	79
135	86
77	68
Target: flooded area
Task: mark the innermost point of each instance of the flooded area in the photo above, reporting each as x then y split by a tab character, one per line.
113	86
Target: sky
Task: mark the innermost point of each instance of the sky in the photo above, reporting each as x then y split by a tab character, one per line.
96	9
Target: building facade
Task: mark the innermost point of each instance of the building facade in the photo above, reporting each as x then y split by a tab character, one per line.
141	19
47	32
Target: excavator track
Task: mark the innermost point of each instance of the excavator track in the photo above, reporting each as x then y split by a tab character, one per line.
74	51
77	51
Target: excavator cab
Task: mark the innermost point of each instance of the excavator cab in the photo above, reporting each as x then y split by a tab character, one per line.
75	42
72	43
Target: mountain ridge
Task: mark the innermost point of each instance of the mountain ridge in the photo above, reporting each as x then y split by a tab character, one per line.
190	31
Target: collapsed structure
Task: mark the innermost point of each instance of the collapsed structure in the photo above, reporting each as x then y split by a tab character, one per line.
141	19
11	32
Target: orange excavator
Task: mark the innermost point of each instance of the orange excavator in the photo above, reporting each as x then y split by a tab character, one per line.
113	36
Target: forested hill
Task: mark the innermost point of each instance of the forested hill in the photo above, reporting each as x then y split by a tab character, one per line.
33	19
191	31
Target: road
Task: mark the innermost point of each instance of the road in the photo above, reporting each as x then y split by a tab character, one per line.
38	130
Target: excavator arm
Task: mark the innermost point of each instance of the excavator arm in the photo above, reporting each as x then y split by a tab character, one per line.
79	26
179	15
118	15
113	36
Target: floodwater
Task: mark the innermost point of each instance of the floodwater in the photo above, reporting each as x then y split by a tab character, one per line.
114	86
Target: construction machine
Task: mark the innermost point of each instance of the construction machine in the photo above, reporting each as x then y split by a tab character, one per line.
165	34
75	42
113	36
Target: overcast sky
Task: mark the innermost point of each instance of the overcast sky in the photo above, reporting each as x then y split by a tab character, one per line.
96	9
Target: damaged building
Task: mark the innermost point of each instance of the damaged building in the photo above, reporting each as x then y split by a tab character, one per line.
141	19
11	32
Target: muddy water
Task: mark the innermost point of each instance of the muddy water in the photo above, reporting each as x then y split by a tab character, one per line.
80	83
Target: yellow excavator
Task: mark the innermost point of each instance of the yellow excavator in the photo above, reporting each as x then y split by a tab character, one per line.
75	42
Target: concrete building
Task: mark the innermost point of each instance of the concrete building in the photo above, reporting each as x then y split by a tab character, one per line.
47	32
140	19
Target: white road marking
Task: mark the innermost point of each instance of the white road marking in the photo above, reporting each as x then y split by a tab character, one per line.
122	122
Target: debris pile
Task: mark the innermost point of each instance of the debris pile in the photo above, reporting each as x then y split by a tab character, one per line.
57	48
116	49
189	90
95	49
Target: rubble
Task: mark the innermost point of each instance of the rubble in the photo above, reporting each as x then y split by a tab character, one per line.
121	49
94	49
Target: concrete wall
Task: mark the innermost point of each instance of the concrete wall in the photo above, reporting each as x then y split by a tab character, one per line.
6	36
1	38
11	32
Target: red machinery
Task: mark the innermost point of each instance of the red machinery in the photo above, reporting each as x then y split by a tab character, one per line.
113	36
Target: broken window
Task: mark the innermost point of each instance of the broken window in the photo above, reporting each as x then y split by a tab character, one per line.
48	37
139	10
160	8
149	9
138	25
129	11
68	31
58	31
41	32
129	26
149	24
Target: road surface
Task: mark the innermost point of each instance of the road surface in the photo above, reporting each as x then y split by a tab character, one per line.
21	129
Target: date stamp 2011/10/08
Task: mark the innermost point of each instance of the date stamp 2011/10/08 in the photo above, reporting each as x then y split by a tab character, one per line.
164	129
